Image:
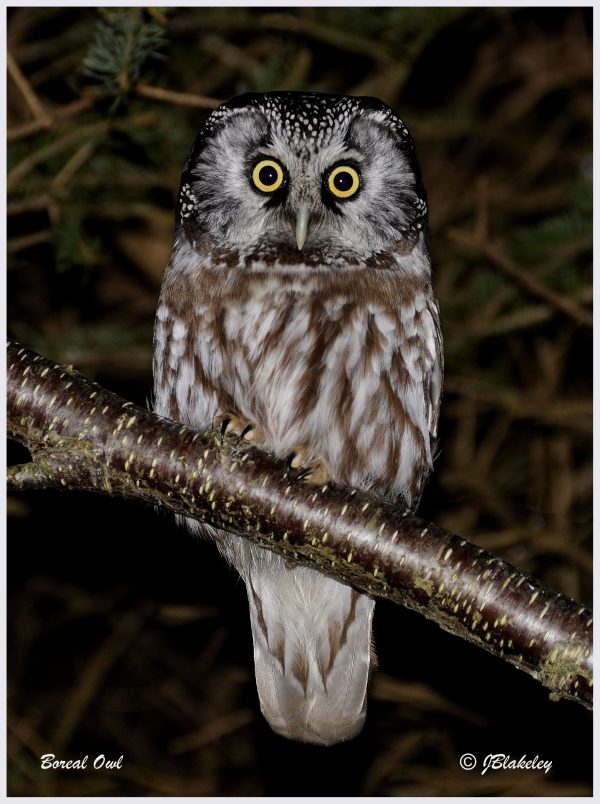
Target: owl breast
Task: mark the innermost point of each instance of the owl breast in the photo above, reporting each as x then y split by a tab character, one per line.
346	380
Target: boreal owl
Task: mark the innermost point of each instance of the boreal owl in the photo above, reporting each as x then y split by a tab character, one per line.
297	310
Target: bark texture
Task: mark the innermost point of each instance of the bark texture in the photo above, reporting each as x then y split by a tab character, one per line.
83	437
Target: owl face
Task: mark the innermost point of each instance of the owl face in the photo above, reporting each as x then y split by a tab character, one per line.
304	171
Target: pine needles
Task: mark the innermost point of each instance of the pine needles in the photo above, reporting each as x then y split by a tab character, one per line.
124	41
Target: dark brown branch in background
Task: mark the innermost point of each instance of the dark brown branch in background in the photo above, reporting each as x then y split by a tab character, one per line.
495	255
36	107
84	437
177	98
59	115
83	133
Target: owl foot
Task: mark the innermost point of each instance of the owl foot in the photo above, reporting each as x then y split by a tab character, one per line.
233	425
299	467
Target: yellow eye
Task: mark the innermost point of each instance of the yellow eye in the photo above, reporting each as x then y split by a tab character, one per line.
343	181
267	176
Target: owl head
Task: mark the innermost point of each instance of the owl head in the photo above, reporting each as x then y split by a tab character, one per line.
303	171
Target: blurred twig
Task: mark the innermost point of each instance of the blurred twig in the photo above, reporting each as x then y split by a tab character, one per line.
26	165
93	675
63	113
177	98
35	105
496	256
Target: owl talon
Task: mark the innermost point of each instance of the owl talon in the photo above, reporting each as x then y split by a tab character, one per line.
303	475
245	431
314	472
224	425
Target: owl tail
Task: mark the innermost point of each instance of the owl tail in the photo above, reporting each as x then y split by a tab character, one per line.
312	652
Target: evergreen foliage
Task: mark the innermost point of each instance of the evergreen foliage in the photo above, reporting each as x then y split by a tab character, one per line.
124	41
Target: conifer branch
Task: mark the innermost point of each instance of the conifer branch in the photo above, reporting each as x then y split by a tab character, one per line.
83	437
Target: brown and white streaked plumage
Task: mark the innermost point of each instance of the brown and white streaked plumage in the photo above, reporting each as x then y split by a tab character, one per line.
298	301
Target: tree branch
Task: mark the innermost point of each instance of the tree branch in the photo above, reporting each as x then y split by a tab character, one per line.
177	98
84	437
495	255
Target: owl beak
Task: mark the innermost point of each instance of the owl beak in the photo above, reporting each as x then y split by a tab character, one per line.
302	216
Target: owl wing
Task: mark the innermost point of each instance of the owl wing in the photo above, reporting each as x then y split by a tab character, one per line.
415	380
433	377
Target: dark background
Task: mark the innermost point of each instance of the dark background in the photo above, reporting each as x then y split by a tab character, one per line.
128	637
